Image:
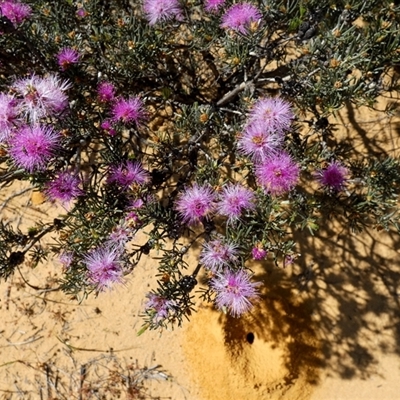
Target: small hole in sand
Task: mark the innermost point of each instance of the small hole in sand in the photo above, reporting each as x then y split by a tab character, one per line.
250	337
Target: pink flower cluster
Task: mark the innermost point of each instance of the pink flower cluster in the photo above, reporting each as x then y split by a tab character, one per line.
161	10
24	120
242	17
262	141
15	11
200	201
127	173
125	111
104	267
67	57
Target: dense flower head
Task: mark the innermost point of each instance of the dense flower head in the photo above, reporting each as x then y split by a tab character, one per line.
234	291
81	12
278	174
333	176
106	92
108	127
233	200
195	203
8	115
32	147
217	254
241	17
159	306
15	11
273	112
129	111
213	5
104	267
162	10
127	173
120	235
67	57
64	188
259	142
258	252
41	96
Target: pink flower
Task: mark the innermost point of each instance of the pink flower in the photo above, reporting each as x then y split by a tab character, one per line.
274	113
127	111
333	177
162	10
195	203
240	17
277	174
65	188
120	235
32	147
127	173
233	200
8	116
15	11
234	291
159	307
258	252
81	12
217	254
66	258
104	267
213	5
67	57
106	92
107	126
41	97
259	142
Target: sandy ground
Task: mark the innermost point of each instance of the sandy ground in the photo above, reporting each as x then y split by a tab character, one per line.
325	328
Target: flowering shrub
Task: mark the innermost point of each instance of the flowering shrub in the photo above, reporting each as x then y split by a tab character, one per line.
246	93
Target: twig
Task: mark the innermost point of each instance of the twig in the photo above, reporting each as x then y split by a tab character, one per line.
13	196
93	350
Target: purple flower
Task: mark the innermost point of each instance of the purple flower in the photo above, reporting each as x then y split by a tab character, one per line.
66	258
334	176
32	147
106	92
278	174
259	142
120	235
65	188
213	5
159	307
138	203
41	97
15	11
107	126
8	116
217	254
195	203
104	267
66	57
274	113
240	17
234	291
290	259
233	200
127	173
127	111
258	252
81	12
162	10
